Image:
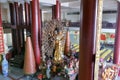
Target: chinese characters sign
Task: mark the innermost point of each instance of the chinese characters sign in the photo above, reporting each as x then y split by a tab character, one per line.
1	41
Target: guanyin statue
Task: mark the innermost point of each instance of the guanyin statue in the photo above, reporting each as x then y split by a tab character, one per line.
58	54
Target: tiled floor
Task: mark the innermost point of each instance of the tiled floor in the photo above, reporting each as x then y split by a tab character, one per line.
4	78
16	74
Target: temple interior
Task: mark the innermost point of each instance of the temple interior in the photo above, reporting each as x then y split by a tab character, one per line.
59	39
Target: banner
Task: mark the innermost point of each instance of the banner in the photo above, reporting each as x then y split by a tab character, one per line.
1	41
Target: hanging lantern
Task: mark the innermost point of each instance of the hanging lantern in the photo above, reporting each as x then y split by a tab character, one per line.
112	36
103	37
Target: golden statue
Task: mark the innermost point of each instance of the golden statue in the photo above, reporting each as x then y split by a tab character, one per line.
58	54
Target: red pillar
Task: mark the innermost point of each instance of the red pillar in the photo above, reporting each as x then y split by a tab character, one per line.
21	14
87	39
12	14
26	13
116	58
27	16
53	11
21	23
39	28
17	30
16	12
30	14
35	29
13	22
41	17
58	10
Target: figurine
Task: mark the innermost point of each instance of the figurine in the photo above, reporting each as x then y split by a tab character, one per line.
71	71
72	68
76	65
48	69
58	54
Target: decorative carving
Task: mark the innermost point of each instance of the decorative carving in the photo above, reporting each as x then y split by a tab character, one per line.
99	26
49	36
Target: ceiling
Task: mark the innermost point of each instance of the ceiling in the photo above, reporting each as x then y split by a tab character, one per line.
63	1
108	5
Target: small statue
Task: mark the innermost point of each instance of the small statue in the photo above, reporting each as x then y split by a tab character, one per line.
54	68
72	68
48	69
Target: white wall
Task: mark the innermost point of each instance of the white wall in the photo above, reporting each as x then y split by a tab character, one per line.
110	17
73	18
8	39
5	12
47	16
106	17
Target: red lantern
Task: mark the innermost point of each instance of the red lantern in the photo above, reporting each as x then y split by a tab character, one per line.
112	35
103	37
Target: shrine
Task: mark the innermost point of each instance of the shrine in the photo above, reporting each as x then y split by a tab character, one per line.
59	40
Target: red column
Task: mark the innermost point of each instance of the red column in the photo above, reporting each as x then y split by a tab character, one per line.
12	14
116	58
16	12
26	13
53	11
17	30
27	16
35	29
41	17
21	14
88	20
58	10
39	27
21	23
13	22
30	14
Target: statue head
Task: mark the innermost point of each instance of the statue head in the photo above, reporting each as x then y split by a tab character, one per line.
58	30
